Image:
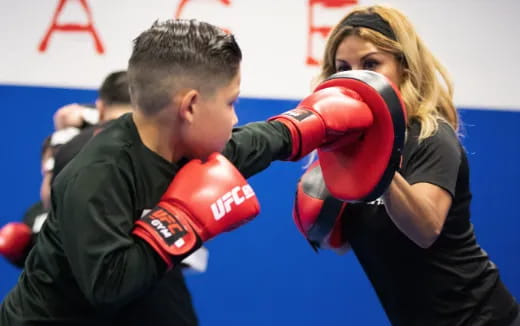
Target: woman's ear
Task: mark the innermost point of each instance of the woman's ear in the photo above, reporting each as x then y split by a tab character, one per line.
188	105
405	73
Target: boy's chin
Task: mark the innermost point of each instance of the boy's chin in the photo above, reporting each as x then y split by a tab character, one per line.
203	155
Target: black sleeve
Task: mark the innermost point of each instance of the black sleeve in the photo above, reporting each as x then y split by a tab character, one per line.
435	160
110	266
254	146
66	152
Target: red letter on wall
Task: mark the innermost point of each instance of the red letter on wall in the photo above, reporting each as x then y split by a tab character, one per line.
183	3
323	31
72	27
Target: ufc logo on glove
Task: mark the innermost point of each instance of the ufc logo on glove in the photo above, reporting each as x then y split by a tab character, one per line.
223	205
167	225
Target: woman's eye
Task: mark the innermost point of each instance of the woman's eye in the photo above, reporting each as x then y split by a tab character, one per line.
343	67
370	64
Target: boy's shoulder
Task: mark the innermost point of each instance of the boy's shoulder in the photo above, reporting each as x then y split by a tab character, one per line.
110	145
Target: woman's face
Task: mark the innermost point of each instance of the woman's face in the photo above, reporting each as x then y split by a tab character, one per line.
355	53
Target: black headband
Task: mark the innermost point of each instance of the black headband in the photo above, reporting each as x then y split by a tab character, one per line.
372	21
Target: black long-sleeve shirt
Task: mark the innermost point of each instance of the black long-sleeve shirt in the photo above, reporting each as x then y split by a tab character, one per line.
86	267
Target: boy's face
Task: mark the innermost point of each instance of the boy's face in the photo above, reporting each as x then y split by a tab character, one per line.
214	120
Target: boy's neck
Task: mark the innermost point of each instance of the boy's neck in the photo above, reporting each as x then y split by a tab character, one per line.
157	135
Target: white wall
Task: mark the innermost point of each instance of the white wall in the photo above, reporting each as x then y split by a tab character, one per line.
475	39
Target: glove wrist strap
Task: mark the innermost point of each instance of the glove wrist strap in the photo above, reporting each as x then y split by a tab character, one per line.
307	131
169	233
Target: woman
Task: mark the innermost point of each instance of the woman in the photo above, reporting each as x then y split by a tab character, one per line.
416	243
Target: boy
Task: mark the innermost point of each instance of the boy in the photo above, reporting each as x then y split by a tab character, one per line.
118	222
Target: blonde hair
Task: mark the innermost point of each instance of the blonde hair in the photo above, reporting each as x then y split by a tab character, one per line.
426	88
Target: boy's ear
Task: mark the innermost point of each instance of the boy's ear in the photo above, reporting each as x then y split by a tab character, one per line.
187	104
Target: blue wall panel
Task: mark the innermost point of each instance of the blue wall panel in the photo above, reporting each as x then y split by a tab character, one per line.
265	273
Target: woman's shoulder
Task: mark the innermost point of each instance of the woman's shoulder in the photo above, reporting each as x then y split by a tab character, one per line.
446	133
443	138
443	130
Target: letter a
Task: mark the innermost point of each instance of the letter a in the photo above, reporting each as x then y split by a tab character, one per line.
72	27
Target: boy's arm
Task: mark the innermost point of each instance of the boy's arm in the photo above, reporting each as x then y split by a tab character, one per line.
320	118
96	217
254	146
333	116
356	120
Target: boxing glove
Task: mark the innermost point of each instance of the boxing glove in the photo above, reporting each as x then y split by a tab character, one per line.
15	241
361	169
202	201
318	215
323	117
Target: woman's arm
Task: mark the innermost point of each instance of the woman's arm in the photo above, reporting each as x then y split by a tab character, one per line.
418	210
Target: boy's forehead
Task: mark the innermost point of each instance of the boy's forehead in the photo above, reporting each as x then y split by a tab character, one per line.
235	83
238	77
232	89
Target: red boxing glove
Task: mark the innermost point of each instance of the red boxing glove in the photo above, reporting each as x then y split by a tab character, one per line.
318	215
203	200
15	241
323	117
357	120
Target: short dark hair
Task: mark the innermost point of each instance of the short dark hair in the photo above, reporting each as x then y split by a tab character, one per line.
179	54
114	89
